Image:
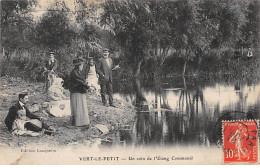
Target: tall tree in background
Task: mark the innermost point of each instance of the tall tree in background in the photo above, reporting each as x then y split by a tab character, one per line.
231	16
129	21
163	32
54	31
251	29
88	30
16	24
208	24
184	23
141	33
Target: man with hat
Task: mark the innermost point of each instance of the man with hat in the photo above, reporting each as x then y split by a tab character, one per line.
104	69
50	66
29	125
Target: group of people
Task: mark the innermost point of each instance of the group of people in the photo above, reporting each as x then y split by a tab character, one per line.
21	121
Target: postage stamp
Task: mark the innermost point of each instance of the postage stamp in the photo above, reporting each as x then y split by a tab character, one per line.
240	141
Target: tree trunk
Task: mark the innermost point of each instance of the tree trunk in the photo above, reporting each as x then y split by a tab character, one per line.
158	69
198	65
138	68
184	82
184	67
4	53
139	95
157	72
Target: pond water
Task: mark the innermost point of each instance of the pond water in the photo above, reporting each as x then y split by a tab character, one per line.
182	111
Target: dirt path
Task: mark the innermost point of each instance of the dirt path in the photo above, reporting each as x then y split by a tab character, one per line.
113	118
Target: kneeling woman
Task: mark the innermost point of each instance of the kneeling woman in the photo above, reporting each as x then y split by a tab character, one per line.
78	101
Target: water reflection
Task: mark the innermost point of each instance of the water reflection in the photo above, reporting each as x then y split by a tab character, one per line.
186	111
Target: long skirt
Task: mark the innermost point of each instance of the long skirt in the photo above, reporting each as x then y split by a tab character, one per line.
79	109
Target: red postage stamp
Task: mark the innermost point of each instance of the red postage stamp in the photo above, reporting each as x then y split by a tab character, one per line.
240	141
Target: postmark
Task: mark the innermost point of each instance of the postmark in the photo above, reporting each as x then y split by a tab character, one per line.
217	133
240	141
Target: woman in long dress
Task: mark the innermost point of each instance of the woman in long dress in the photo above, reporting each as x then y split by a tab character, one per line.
78	101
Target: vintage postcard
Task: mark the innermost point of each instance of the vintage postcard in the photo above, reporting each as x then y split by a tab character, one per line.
127	82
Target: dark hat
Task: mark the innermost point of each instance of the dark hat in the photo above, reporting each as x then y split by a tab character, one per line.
22	95
51	52
105	49
78	61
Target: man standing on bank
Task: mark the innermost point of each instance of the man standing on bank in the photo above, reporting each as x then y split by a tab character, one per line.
50	67
104	68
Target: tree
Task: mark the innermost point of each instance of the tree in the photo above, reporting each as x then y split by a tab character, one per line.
207	24
164	34
129	22
11	10
186	26
231	17
16	24
54	31
250	30
87	26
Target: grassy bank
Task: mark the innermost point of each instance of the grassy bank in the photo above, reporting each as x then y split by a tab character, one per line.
113	118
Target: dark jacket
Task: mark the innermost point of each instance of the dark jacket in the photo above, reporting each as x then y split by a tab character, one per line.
104	70
77	82
12	115
52	66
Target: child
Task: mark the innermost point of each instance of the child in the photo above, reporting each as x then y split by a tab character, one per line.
18	125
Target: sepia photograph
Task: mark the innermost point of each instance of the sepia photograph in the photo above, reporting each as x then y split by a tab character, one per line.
130	82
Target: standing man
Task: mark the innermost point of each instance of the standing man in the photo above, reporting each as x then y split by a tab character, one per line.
104	69
50	67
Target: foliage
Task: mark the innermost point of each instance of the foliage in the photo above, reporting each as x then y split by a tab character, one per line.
155	29
250	31
148	37
16	24
53	31
87	28
129	21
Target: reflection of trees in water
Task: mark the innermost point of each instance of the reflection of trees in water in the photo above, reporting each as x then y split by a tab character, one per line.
190	122
183	125
139	94
201	121
148	127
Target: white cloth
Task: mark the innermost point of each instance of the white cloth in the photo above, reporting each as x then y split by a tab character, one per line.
93	79
56	91
249	54
60	108
18	127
